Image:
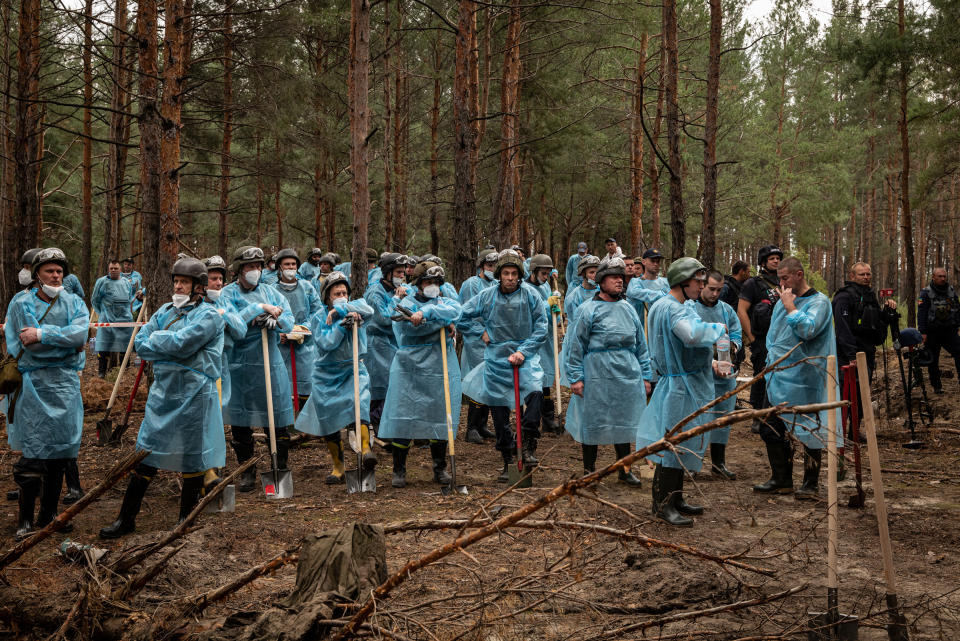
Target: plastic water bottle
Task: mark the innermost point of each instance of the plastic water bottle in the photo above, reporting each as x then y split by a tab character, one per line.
723	355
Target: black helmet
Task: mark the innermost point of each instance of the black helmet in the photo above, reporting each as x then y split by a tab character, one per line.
431	258
27	258
611	267
488	255
372	255
247	255
331	258
586	263
390	261
540	261
49	255
191	268
289	252
766	252
428	269
334	278
215	263
316	251
414	259
507	258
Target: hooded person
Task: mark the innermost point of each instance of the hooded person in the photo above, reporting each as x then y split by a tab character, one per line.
681	349
182	424
711	309
114	299
233	326
571	273
607	366
802	316
380	336
541	267
304	303
310	269
260	307
330	407
46	328
415	407
515	320
473	341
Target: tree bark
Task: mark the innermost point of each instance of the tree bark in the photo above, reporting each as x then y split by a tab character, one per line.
672	70
504	224
906	222
86	180
227	128
319	164
636	151
116	160
434	148
26	148
401	128
278	210
359	126
388	243
156	267
464	217
708	232
653	170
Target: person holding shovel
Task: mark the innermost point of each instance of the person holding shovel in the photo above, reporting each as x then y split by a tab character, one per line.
607	364
414	407
259	306
46	327
182	424
515	320
681	350
330	406
473	345
304	303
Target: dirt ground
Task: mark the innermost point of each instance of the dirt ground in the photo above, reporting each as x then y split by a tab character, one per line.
559	584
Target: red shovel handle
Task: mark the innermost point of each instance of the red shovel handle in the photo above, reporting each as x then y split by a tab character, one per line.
516	401
293	375
136	386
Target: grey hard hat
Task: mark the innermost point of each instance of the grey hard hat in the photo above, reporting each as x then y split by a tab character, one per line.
190	268
508	258
611	267
247	255
289	252
334	278
587	262
541	261
216	262
683	269
49	255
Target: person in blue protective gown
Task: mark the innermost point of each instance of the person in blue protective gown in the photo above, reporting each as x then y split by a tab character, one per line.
448	289
304	303
310	269
233	326
114	299
474	343
260	307
711	309
343	267
271	273
330	407
415	407
182	425
72	284
681	349
541	268
379	330
571	273
802	316
515	319
609	370
373	270
587	288
46	328
648	286
326	267
128	272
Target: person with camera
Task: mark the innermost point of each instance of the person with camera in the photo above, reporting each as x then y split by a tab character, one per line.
860	320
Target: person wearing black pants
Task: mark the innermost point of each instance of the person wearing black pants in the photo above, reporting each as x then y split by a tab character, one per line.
758	296
938	319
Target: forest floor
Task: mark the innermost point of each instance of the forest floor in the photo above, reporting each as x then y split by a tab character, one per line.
544	584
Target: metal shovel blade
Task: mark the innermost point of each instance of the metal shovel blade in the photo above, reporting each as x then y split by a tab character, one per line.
845	628
520	478
361	480
226	501
452	487
277	484
104	431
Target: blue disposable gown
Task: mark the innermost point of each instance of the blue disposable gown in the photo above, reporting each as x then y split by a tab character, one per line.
113	300
72	284
134	277
233	329
309	271
575	298
514	322
269	276
547	360
573	279
182	423
304	303
681	349
374	275
383	342
811	326
331	406
725	315
48	417
472	329
414	407
608	353
248	398
346	268
643	293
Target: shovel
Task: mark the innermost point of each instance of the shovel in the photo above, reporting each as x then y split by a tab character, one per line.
114	438
453	488
517	477
358	480
279	483
105	424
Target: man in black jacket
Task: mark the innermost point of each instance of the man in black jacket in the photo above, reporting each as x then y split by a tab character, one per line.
732	284
938	318
758	297
861	322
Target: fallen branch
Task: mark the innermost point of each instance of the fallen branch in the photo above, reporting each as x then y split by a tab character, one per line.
114	475
124	563
136	584
384	589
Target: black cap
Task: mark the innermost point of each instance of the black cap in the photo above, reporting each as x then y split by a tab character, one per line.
610	240
652	253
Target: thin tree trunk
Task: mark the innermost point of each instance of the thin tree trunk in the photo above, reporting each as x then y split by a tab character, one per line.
465	139
359	126
8	235
672	69
504	214
26	149
434	148
259	193
319	160
636	151
227	128
118	101
653	170
401	121
708	233
156	267
388	243
278	210
86	180
906	222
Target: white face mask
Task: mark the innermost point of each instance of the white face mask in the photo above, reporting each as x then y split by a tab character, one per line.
591	282
398	282
341	300
179	300
289	274
51	291
25	277
213	294
488	274
252	277
431	291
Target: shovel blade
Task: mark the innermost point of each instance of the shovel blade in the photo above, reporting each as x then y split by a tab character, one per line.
361	481
226	501
453	488
520	478
846	628
277	484
104	431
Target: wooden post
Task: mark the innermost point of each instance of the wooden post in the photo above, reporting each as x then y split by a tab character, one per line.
832	582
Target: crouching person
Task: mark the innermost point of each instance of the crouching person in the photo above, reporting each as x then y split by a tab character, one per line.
331	404
47	327
182	424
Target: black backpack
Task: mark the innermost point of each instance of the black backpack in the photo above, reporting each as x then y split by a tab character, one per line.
866	319
762	311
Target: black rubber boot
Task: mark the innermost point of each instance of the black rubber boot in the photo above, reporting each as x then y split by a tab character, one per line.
248	479
190	495
477	423
30	485
548	418
663	496
624	476
781	465
529	452
283	448
438	452
103	361
71	475
589	457
132	500
399	466
811	475
718	461
508	460
50	495
681	503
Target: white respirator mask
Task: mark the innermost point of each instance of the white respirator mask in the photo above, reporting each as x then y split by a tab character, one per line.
431	291
399	282
52	291
25	277
213	294
179	300
252	277
289	274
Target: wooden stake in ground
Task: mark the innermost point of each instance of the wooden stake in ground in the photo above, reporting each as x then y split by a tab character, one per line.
897	628
833	608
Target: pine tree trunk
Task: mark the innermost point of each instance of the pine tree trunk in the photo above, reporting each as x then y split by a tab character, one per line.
708	233
906	222
388	243
259	192
118	100
86	179
227	128
504	225
464	183
26	147
156	267
672	69
401	125
319	164
276	195
636	151
653	171
359	126
434	148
